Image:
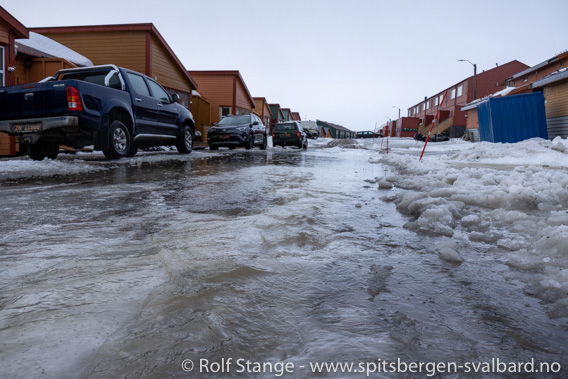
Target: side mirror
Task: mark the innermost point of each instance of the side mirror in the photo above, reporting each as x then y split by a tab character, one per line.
175	97
255	123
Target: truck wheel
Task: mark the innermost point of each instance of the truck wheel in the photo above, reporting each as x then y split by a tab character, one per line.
133	150
250	142
264	143
119	144
184	143
41	150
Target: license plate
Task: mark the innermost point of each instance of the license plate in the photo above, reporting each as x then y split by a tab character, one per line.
26	128
285	135
224	136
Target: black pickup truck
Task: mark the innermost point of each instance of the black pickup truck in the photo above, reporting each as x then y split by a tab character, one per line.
114	109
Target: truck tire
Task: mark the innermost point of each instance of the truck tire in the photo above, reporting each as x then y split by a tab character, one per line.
184	143
133	150
41	150
119	141
264	143
249	144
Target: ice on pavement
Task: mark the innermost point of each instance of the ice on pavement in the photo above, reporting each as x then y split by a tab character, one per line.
509	198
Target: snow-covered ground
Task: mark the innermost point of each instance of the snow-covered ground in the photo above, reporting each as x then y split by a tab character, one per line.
511	198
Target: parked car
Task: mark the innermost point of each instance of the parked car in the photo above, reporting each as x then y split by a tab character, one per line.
368	134
234	131
289	134
115	109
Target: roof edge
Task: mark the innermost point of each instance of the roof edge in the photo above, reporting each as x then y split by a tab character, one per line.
21	30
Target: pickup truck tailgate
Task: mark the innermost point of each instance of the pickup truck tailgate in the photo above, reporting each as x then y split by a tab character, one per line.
33	100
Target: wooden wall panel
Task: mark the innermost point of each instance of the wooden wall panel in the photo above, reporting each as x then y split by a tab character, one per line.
4	33
124	49
215	88
243	99
556	100
166	70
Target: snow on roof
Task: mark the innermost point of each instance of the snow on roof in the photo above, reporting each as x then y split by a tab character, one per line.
476	102
553	77
49	48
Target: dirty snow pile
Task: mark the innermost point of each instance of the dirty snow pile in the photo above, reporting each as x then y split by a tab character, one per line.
508	199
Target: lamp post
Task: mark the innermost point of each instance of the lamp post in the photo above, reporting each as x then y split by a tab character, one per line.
474	77
394	106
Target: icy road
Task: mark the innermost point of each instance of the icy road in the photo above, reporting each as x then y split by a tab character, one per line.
164	265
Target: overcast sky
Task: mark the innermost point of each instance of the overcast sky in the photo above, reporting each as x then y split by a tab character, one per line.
350	62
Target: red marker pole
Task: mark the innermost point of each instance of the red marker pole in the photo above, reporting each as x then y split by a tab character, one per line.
433	122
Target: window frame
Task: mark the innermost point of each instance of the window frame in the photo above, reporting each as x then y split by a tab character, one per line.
459	91
153	85
134	85
2	66
221	107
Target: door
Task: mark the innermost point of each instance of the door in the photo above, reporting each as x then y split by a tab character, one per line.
258	129
145	107
167	109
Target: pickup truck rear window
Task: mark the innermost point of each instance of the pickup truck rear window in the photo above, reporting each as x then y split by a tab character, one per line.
94	77
139	84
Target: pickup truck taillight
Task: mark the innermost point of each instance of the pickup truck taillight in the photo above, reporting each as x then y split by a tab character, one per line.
73	99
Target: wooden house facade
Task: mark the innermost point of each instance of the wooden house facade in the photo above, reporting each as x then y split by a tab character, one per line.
555	88
25	58
226	91
139	47
330	130
277	115
10	30
262	110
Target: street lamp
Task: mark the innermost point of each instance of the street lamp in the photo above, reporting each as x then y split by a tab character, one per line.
474	77
394	106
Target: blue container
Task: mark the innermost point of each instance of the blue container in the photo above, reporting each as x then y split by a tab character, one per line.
512	119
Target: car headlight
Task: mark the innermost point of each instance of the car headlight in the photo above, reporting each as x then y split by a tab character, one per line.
241	128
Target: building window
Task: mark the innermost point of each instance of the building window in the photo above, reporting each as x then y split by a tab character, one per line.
525	79
428	104
242	111
2	72
460	90
436	101
423	106
453	94
224	111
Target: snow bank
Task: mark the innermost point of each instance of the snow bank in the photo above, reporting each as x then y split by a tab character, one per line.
27	168
510	199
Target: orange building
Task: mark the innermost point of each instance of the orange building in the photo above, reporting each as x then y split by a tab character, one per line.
262	110
139	47
37	57
226	91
